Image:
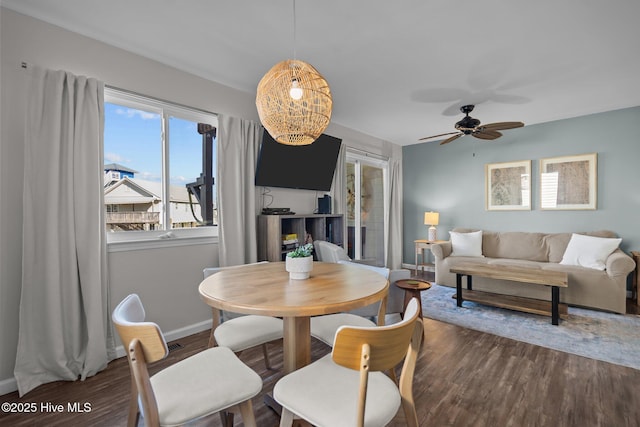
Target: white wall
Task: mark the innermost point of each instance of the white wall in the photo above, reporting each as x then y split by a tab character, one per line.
165	278
167	281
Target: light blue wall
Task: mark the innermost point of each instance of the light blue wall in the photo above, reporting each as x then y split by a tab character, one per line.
450	179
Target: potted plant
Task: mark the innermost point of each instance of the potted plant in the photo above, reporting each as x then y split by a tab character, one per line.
299	262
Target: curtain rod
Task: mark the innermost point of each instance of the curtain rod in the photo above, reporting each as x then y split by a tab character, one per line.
368	154
25	65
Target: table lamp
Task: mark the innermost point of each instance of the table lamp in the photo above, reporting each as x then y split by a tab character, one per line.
431	219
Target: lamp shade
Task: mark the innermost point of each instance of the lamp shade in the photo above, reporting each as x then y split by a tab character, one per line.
431	218
294	102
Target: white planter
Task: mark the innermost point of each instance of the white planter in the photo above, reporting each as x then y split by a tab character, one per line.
299	268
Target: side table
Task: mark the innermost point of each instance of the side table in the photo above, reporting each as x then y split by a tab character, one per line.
421	245
412	288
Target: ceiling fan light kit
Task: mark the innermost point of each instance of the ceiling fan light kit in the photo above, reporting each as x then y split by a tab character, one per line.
471	126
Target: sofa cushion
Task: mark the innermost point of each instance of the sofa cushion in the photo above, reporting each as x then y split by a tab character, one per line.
556	245
466	244
557	242
515	245
589	251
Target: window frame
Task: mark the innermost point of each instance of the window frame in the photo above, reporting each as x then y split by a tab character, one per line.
136	240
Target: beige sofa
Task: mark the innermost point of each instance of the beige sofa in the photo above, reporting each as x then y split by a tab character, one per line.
604	290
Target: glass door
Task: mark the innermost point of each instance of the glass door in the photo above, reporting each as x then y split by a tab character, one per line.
366	208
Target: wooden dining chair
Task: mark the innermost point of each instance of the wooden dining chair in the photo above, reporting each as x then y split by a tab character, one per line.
211	381
348	386
240	332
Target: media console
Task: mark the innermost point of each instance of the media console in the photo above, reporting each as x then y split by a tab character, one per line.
272	228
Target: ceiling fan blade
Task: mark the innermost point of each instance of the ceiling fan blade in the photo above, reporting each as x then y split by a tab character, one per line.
501	126
453	138
435	136
487	134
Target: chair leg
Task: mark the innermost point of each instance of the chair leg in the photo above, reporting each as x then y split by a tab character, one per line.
212	340
393	376
286	418
227	418
410	413
246	410
215	315
134	411
267	362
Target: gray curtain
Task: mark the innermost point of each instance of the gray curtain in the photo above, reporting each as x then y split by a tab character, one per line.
394	227
238	147
339	190
64	330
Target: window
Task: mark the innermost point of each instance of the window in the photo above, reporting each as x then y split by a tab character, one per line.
160	164
367	207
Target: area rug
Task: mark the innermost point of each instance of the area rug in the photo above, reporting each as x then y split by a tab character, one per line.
613	338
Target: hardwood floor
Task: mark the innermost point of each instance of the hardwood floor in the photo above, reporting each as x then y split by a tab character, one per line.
464	378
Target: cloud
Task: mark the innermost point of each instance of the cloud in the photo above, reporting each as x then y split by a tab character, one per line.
149	176
180	179
115	158
131	112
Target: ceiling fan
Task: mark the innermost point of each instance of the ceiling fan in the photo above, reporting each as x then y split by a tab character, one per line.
470	126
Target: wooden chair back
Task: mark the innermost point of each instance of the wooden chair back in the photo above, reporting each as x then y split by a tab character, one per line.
382	348
144	343
128	318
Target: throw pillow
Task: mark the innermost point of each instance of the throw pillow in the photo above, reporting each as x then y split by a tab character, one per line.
589	251
466	244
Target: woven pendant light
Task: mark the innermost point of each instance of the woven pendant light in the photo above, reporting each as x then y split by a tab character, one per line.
294	102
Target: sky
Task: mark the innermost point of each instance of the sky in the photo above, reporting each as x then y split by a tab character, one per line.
132	138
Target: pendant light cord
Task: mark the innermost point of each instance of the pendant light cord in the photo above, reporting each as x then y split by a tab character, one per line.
294	29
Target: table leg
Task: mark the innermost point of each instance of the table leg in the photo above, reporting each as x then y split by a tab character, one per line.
555	299
459	289
469	282
411	293
296	350
296	343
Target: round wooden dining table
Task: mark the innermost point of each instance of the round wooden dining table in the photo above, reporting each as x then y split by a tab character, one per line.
265	289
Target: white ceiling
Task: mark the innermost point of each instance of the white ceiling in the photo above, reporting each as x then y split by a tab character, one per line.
398	70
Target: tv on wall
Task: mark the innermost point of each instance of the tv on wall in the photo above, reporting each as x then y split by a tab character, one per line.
305	167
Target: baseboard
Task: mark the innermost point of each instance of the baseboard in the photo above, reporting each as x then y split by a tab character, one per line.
412	267
10	385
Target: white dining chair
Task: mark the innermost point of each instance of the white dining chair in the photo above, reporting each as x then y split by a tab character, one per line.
240	332
211	381
324	327
349	387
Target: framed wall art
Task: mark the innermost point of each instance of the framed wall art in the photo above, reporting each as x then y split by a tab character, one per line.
508	186
569	182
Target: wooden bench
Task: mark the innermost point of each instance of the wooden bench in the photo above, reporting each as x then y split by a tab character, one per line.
553	279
